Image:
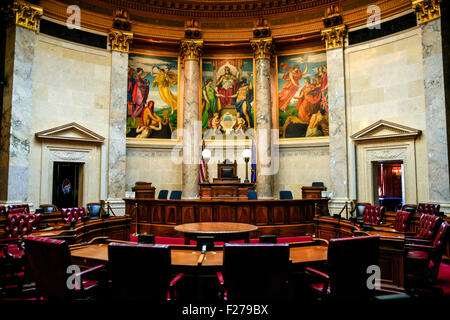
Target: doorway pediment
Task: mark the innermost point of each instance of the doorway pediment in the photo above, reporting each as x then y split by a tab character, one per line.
383	129
70	132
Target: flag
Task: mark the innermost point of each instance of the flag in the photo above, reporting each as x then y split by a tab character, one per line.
253	164
203	166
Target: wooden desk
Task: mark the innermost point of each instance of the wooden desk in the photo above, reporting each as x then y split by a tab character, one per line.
225	190
186	257
221	231
283	218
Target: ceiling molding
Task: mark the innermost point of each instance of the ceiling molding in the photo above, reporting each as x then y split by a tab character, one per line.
70	132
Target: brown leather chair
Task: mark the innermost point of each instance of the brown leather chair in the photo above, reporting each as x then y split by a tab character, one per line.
373	215
422	262
426	230
346	276
428	208
21	224
141	272
46	263
47	208
254	272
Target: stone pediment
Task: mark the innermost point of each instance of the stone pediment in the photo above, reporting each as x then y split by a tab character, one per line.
70	132
383	129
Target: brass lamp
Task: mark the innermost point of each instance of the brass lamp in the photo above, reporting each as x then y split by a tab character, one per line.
246	153
206	154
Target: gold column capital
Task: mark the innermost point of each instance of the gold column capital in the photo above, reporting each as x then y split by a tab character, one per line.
191	49
27	15
263	48
334	37
120	40
427	10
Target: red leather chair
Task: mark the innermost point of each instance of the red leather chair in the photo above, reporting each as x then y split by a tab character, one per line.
73	214
422	261
426	230
346	277
21	224
19	208
2	211
402	221
141	272
11	265
254	272
428	208
46	263
373	214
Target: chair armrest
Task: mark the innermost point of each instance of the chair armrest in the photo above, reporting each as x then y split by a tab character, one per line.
174	281
220	278
172	293
318	274
94	272
418	247
419	241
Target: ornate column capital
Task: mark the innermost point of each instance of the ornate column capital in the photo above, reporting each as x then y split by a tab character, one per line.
120	40
334	37
191	49
427	10
263	48
27	15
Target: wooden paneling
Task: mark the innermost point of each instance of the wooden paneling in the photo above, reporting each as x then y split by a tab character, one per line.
243	214
187	214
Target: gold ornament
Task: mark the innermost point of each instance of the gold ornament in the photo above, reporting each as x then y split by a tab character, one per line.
427	10
120	40
27	14
263	48
191	49
334	37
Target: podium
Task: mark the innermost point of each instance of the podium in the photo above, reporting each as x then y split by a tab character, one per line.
231	189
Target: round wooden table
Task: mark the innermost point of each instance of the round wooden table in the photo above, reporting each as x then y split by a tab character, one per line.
221	231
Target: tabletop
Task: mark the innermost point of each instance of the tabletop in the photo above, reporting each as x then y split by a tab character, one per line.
215	227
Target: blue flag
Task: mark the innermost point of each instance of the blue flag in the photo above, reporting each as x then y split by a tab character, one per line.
253	163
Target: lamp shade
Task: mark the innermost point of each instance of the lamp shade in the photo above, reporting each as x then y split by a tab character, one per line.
206	153
246	153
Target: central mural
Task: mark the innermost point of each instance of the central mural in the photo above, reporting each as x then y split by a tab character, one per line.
152	100
227	95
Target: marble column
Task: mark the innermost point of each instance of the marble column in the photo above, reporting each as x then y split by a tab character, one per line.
263	50
335	38
436	126
16	130
117	120
191	52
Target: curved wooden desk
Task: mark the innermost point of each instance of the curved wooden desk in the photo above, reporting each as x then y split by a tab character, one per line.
221	231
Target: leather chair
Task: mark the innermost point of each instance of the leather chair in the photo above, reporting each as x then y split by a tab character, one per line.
402	221
162	195
256	272
373	215
146	238
410	208
318	184
346	276
2	211
95	210
19	208
73	214
428	208
21	224
426	230
422	262
358	211
141	272
47	261
286	195
252	195
11	266
175	195
48	208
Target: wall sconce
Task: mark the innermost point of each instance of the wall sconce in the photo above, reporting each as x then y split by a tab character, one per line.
246	153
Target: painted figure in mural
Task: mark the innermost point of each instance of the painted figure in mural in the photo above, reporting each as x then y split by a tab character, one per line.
209	103
214	123
308	101
243	99
226	86
291	119
150	121
130	88
291	84
320	118
165	79
239	127
324	88
140	92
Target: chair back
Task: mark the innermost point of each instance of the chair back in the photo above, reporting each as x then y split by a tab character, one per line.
139	271
373	214
19	208
146	238
256	271
21	224
286	195
46	263
410	208
318	184
94	210
252	195
442	236
402	220
428	225
73	214
162	195
2	210
428	208
175	195
348	260
47	208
